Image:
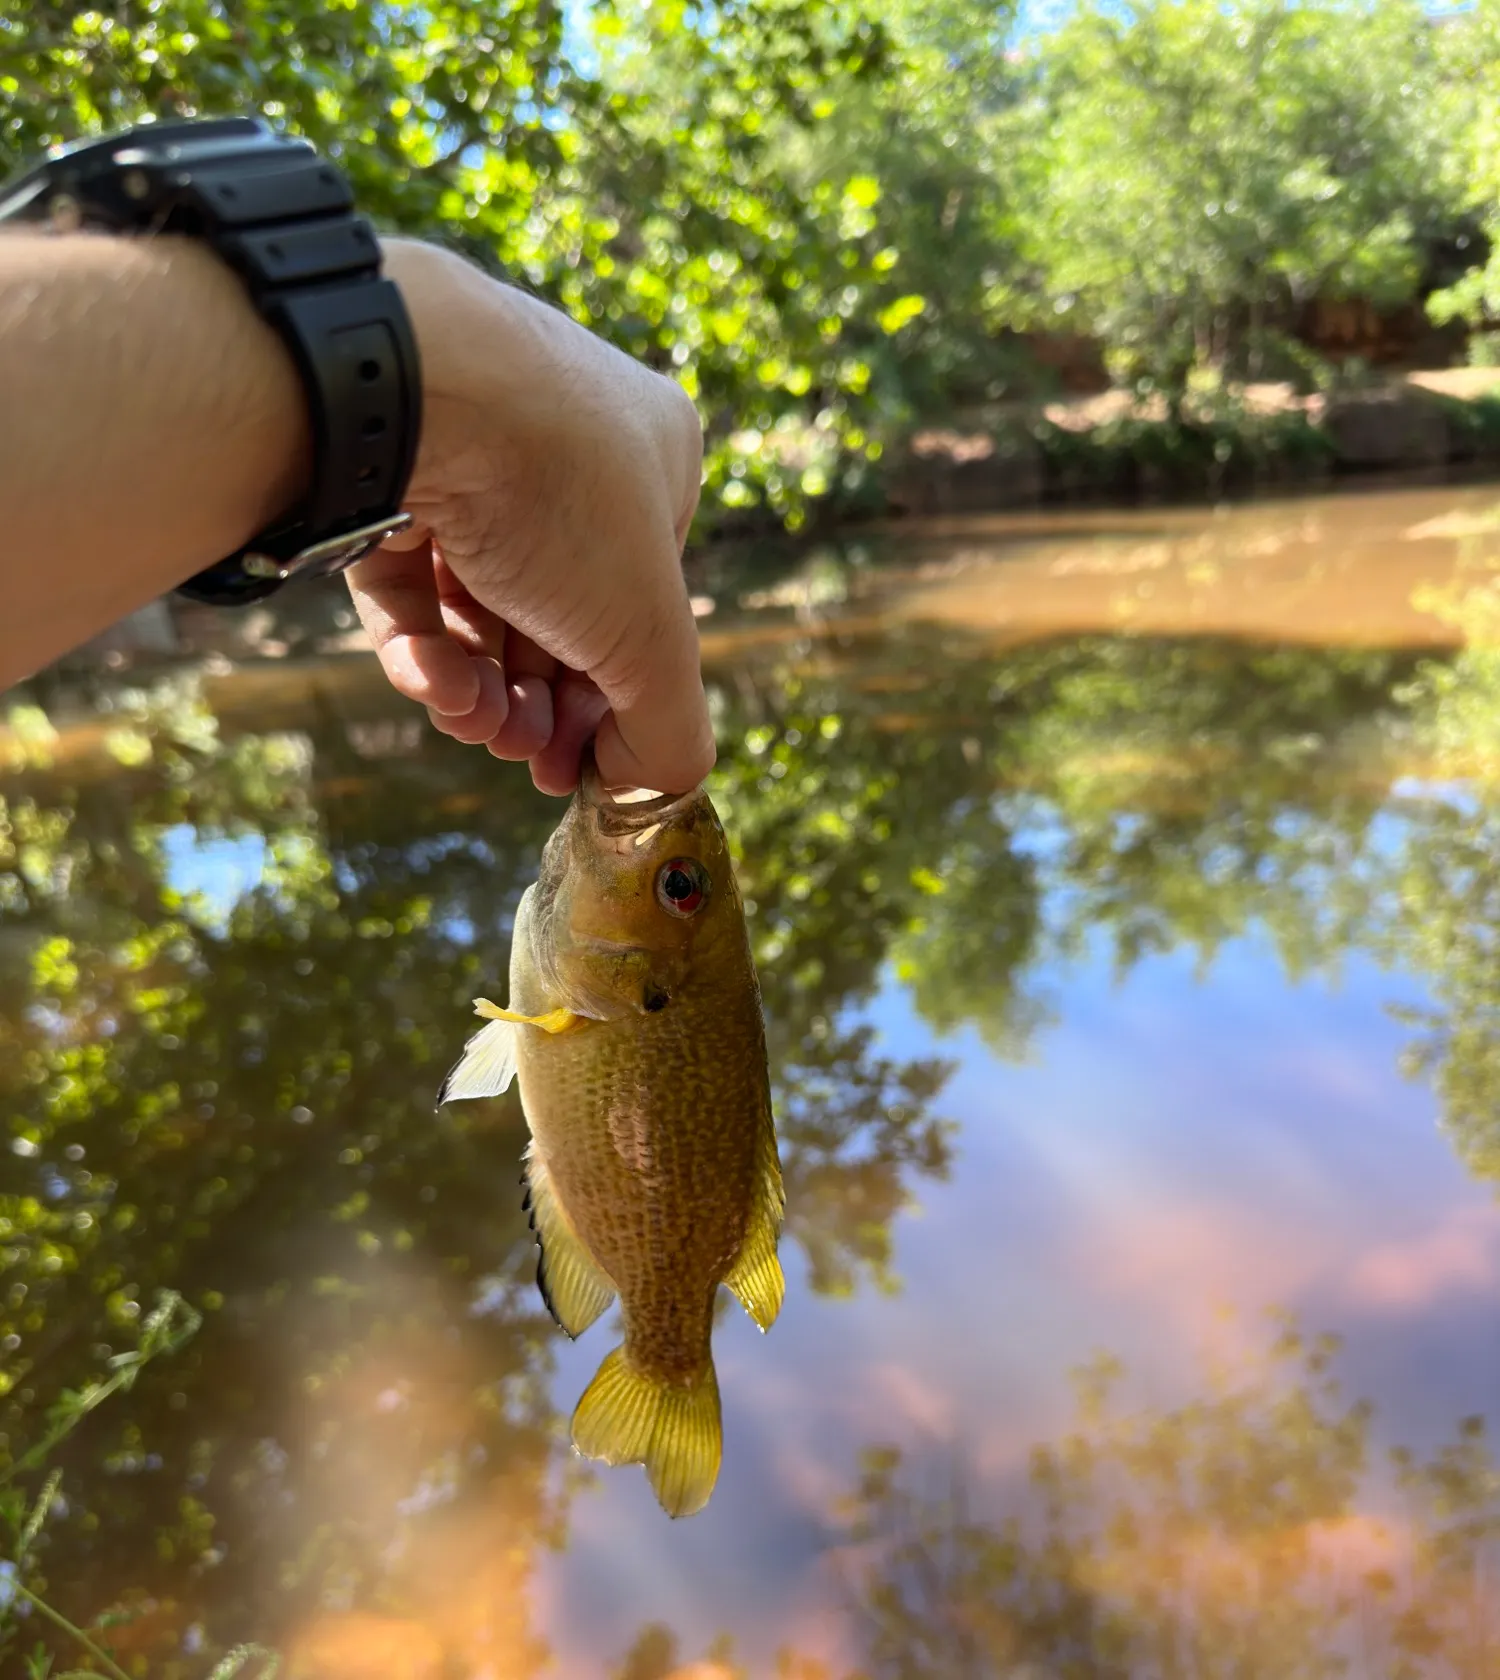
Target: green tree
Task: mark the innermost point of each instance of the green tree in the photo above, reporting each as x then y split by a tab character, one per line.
1197	172
650	202
1471	57
929	135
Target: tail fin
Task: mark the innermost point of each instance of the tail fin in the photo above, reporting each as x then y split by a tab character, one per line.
625	1417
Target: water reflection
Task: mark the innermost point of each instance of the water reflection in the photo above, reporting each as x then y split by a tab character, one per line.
241	917
1224	1537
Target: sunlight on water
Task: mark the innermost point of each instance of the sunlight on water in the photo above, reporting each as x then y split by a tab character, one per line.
1126	890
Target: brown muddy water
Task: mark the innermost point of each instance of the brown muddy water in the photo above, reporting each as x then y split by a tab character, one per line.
1126	894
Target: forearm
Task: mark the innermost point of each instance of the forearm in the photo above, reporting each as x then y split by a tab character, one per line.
150	424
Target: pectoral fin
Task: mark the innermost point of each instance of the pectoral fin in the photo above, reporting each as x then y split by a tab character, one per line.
573	1287
487	1065
756	1278
554	1021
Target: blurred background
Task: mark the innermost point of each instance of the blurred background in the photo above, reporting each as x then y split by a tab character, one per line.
1097	576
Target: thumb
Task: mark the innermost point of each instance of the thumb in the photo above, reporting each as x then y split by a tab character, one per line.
657	733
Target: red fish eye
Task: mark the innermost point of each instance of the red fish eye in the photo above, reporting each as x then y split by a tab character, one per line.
682	886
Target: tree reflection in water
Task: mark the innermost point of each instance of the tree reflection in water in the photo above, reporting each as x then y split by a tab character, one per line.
227	1089
1223	1538
1229	1538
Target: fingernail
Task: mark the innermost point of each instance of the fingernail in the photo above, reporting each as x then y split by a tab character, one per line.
463	707
403	542
493	690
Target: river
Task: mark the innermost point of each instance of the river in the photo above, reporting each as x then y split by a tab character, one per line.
1126	892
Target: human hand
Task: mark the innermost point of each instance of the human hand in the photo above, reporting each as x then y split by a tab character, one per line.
539	601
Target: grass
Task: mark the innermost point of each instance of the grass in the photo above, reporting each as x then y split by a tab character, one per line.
170	1325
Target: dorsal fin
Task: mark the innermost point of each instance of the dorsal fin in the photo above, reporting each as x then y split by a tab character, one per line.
573	1287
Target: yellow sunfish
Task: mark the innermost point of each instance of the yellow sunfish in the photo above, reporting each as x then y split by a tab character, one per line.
635	1031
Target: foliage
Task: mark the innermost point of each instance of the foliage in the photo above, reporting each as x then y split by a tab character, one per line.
1472	51
653	206
1198	172
929	135
166	1329
764	288
830	221
1227	450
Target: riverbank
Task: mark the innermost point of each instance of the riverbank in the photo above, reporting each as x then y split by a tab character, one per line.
1111	448
1385	570
1091	453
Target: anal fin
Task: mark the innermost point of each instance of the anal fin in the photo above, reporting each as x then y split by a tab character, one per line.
756	1279
573	1287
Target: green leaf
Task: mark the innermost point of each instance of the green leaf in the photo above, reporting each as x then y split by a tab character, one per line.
863	191
896	315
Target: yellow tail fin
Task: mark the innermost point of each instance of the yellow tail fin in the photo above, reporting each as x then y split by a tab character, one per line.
627	1418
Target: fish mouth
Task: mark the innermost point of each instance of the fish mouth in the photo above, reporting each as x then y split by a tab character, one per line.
624	811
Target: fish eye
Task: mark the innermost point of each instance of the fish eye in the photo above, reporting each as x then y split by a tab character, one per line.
682	886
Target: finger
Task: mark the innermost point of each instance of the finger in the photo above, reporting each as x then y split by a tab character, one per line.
528	725
658	733
473	628
487	718
471	625
523	658
530	672
578	708
395	595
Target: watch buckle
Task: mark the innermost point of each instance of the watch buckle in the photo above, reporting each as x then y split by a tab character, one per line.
327	557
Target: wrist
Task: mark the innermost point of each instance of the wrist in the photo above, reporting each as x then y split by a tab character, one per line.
509	382
452	308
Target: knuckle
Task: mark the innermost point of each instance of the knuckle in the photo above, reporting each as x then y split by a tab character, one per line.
703	754
640	644
685	431
682	413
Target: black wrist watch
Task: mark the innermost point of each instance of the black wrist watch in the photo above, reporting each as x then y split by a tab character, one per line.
283	218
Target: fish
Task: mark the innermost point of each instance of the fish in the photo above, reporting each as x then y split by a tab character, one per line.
635	1034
